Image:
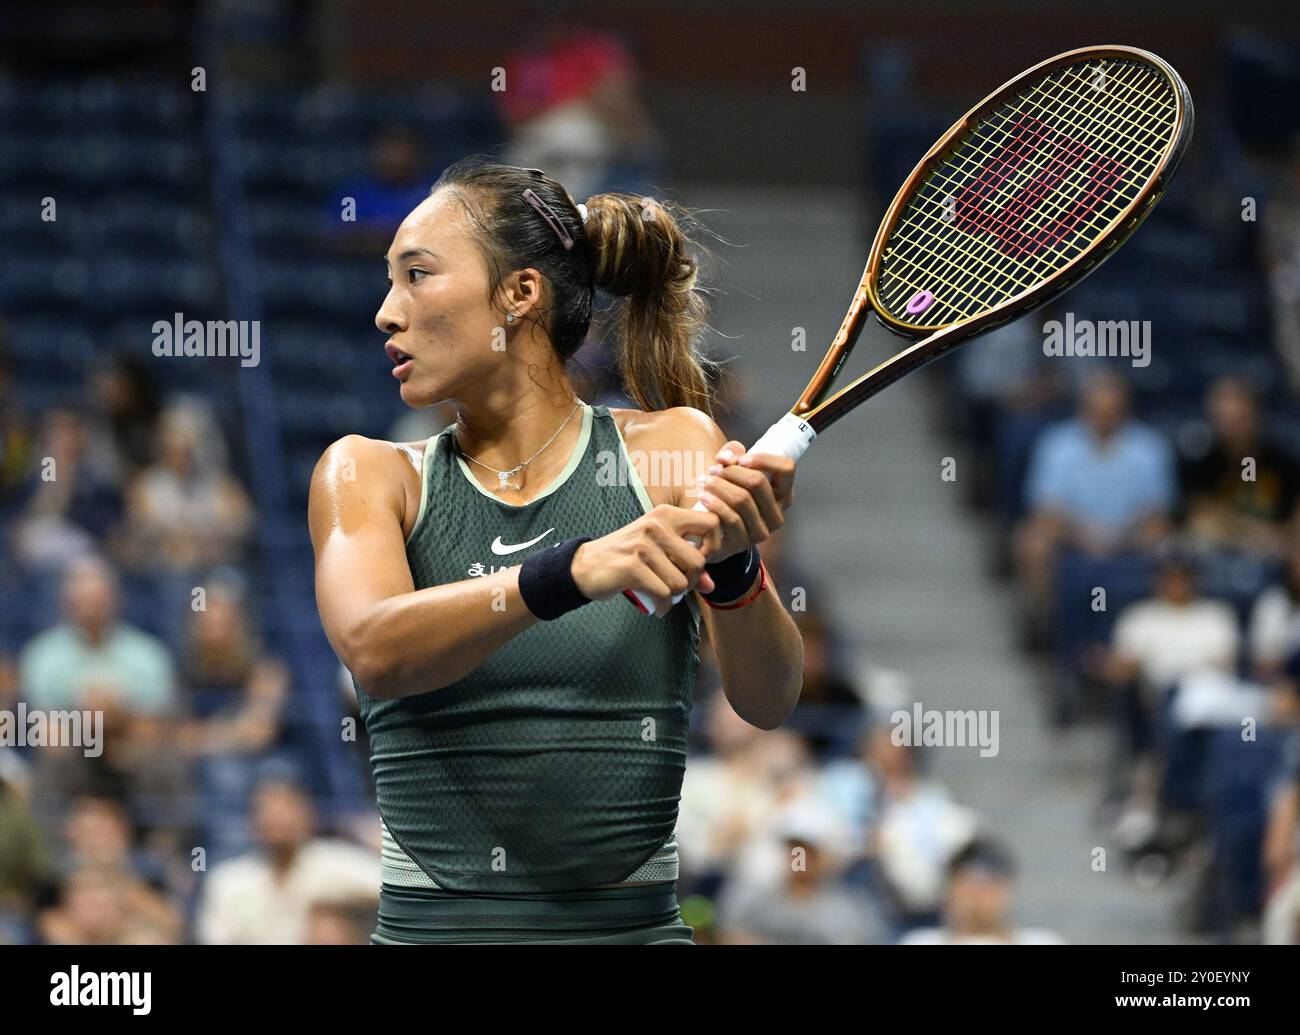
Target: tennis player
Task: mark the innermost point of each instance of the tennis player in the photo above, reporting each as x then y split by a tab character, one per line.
527	723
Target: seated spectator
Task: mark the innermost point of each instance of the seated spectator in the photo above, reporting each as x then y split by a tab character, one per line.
93	661
341	923
728	794
234	691
17	439
398	180
65	507
186	513
1274	633
25	863
977	903
1155	643
125	406
1100	483
106	906
917	828
1241	489
809	904
266	897
572	108
829	713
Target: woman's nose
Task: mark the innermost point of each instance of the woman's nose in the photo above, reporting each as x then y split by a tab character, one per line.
389	319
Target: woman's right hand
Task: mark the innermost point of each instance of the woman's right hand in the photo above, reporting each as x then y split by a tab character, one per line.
651	555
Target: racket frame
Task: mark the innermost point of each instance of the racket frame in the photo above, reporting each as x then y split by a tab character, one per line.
820	411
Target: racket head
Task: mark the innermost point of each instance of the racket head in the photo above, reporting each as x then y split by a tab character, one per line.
1030	191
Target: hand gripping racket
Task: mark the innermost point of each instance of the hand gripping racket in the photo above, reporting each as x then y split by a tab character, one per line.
1028	193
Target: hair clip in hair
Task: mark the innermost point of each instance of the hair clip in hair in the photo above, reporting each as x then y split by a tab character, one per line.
546	212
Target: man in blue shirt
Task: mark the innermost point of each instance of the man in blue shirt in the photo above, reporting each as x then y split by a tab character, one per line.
1100	483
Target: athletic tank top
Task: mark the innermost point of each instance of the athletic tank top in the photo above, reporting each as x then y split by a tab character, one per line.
557	764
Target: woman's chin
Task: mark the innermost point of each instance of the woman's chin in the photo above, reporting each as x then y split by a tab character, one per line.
418	395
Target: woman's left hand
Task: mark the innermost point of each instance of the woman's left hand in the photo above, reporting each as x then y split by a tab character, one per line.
749	492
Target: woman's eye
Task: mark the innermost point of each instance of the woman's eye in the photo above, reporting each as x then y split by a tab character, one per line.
413	272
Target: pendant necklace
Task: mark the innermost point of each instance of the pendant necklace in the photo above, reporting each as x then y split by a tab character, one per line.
505	479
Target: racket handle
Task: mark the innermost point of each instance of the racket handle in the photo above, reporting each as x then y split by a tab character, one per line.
789	437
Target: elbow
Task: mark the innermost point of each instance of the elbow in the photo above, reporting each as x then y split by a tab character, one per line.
372	674
370	664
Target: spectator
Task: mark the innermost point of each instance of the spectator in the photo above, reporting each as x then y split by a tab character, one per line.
124	428
235	692
727	794
918	826
185	512
266	896
1242	489
1099	483
17	442
398	180
829	713
66	508
977	903
572	108
105	906
24	855
93	661
809	904
1275	623
1157	642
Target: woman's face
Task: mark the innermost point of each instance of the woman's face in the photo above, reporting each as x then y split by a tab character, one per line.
444	335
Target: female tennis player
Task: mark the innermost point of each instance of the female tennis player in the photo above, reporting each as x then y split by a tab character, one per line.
527	723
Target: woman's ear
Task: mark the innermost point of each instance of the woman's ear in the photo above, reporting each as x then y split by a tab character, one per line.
523	293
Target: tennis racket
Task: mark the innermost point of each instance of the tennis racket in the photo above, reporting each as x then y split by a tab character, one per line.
1029	192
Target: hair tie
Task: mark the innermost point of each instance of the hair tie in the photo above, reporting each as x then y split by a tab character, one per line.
546	212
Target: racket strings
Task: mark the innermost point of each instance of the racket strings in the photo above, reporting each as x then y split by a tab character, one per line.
970	266
1029	189
1030	201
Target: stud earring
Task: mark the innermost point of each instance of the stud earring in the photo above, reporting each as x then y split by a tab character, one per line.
510	318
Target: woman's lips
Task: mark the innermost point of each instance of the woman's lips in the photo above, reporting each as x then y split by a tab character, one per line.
402	361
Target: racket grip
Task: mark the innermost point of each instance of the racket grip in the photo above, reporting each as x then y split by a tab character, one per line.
789	437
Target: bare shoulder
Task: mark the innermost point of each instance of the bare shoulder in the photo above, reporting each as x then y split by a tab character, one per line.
374	471
669	448
679	427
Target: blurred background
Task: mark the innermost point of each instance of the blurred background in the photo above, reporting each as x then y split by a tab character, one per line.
950	539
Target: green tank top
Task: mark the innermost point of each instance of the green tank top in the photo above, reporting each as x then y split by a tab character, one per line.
557	764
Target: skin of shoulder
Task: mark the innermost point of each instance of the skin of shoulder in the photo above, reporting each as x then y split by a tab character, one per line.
356	465
679	428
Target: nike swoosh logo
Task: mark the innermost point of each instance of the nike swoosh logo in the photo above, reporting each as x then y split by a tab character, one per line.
501	550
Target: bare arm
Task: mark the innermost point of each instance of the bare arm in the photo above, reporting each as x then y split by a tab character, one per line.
398	641
758	647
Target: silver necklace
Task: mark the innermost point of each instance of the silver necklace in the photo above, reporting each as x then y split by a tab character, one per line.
504	478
